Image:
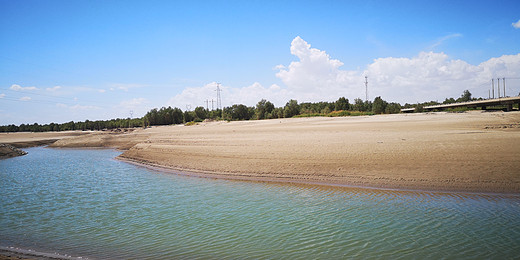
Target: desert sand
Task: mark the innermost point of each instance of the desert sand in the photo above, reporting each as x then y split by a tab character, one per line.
469	152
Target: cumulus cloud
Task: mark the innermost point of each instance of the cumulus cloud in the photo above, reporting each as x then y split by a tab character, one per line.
316	76
434	76
55	88
25	98
2	95
516	25
250	95
427	76
316	72
16	87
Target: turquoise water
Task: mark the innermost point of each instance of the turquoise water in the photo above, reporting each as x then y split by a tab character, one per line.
86	204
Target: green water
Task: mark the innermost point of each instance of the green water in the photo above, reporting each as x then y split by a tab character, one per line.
83	203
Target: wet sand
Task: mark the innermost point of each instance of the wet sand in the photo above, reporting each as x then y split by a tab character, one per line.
469	152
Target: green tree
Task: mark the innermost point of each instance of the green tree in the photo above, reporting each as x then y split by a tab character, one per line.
177	116
201	113
359	105
291	108
240	112
465	97
379	105
341	104
449	101
419	108
393	108
263	109
188	116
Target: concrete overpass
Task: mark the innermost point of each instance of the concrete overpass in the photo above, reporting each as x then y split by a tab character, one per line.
505	101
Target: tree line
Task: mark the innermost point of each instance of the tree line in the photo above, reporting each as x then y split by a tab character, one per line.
70	126
266	110
263	110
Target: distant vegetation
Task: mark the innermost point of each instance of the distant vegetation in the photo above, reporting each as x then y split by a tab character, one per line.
266	110
263	110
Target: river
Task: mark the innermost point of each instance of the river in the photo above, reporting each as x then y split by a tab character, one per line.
84	203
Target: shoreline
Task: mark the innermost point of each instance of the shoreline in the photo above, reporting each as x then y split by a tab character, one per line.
15	253
288	180
11	144
473	152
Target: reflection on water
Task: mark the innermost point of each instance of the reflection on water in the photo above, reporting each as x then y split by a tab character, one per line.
85	203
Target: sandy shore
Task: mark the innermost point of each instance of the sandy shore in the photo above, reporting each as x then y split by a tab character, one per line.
473	151
10	142
30	139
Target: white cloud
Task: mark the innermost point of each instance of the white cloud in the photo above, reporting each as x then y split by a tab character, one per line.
133	103
434	76
196	96
135	107
102	91
77	107
316	73
2	95
318	77
516	25
428	76
124	87
16	87
55	88
444	38
25	98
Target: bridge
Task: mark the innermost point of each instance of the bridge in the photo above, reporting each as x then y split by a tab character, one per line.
504	101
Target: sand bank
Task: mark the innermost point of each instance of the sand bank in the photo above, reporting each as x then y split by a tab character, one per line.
10	142
31	139
474	151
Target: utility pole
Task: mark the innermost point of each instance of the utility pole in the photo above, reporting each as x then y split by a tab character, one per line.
212	102
207	101
493	87
366	88
504	82
498	87
131	115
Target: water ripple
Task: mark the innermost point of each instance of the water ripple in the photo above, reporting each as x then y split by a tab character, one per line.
84	203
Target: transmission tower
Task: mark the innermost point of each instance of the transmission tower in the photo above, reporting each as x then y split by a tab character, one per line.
366	88
219	100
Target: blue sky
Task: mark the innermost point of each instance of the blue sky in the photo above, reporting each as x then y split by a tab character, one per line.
77	60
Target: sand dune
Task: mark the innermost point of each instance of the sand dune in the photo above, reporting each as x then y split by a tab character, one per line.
473	151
